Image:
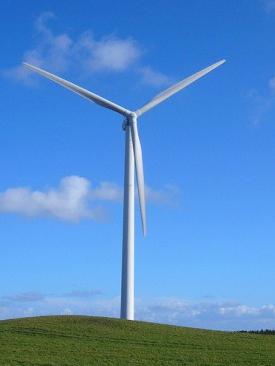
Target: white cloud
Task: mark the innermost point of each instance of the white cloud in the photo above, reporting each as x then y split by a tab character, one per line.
152	77
107	191
74	199
85	54
67	202
202	314
114	54
110	53
212	315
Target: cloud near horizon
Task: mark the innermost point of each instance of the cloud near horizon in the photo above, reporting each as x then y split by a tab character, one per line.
86	54
74	199
221	315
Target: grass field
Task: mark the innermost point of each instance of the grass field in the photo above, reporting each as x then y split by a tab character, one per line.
83	341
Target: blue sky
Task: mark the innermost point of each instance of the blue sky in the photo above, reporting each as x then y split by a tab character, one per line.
209	157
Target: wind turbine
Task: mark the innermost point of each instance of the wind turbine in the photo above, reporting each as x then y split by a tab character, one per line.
133	161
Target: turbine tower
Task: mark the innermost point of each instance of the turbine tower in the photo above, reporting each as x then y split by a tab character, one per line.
133	162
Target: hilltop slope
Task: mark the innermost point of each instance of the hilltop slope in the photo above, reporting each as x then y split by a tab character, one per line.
85	341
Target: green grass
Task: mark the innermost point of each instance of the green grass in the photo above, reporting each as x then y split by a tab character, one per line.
83	341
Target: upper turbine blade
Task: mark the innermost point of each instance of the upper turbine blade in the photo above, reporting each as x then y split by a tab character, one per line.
81	91
175	88
139	172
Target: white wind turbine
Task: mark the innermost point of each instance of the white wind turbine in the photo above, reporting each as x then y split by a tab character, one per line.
133	158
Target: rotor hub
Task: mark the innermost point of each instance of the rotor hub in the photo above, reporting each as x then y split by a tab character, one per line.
132	115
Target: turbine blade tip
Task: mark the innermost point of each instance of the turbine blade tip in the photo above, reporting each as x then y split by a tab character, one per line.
144	229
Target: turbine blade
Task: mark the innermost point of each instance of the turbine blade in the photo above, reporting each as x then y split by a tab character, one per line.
81	91
176	88
139	172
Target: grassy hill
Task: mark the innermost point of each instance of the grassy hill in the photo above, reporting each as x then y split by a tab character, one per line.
84	341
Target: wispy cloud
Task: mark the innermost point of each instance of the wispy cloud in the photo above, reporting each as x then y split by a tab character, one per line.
24	297
272	84
269	5
168	196
83	293
152	77
223	315
61	53
84	54
74	199
52	51
261	104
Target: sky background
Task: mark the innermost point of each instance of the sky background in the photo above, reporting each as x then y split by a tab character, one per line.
209	158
